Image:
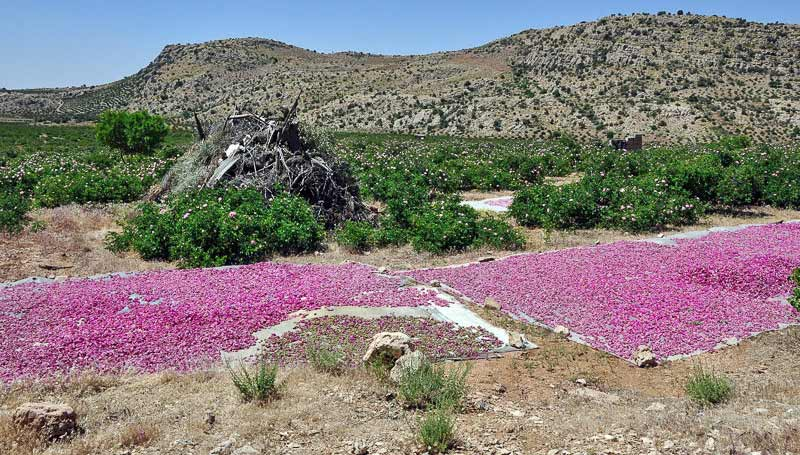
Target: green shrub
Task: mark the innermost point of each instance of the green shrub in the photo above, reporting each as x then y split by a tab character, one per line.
214	227
431	385
444	226
86	186
13	208
324	358
783	189
437	430
357	236
738	186
497	233
569	206
794	299
291	225
260	385
131	132
391	233
647	203
708	389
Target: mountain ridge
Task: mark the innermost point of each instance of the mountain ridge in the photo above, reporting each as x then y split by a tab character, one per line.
675	78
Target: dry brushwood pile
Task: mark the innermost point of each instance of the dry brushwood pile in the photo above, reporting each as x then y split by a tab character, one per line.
248	150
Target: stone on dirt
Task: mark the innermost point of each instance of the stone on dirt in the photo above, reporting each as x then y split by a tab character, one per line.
561	331
644	357
595	395
388	347
406	364
52	420
491	304
517	340
246	450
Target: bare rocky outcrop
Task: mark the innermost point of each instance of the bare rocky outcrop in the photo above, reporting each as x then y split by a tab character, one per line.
52	420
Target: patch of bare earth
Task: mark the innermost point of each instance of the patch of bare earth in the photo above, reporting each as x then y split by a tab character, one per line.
522	403
68	241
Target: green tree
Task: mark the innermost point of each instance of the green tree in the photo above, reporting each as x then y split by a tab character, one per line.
131	132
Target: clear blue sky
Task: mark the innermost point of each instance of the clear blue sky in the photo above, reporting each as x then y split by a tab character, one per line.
72	42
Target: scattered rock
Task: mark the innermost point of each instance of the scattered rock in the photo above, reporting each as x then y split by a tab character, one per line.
486	259
360	448
388	347
210	418
407	363
581	382
644	357
668	445
482	405
561	330
223	448
518	414
246	450
595	395
761	411
491	304
711	444
656	407
52	420
500	388
517	340
731	341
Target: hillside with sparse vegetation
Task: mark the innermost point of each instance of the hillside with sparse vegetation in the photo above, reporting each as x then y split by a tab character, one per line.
673	77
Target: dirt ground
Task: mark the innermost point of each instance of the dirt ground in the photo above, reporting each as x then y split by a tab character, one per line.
522	403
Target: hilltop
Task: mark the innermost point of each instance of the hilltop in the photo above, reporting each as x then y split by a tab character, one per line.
672	77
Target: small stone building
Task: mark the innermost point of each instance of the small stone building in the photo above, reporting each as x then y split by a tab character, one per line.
629	143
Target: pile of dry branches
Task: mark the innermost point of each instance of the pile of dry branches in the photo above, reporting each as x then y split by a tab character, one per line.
248	150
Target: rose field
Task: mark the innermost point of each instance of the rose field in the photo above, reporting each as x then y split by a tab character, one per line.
676	299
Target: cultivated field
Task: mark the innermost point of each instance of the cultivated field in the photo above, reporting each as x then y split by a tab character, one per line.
545	319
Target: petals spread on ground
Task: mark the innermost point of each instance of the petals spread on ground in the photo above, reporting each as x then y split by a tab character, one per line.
676	299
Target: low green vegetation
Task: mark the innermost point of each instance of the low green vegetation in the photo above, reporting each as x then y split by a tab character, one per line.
437	430
633	191
440	391
214	227
707	389
433	386
450	164
325	359
416	181
794	299
13	208
48	166
259	384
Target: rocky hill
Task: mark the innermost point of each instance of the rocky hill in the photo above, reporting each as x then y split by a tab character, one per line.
671	77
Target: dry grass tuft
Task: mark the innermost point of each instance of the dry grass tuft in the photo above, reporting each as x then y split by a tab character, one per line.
138	435
17	440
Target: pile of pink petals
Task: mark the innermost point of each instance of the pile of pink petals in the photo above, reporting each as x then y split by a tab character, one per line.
500	202
676	299
172	319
